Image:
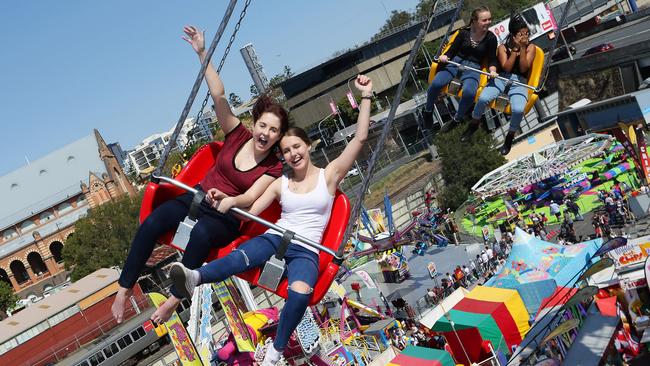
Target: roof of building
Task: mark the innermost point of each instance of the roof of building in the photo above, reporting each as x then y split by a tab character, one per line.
49	180
56	303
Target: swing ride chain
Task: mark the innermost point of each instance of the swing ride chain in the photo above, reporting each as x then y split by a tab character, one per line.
225	54
386	129
195	89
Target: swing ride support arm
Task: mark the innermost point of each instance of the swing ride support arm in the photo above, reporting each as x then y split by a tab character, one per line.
252	217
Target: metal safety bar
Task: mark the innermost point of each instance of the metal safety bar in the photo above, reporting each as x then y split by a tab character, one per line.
465	67
252	217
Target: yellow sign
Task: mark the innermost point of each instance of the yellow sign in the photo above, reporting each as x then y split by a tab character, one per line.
631	134
561	329
233	316
180	339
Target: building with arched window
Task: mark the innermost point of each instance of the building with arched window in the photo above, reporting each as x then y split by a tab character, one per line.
41	203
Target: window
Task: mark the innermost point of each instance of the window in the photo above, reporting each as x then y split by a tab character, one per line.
111	350
65	314
84	363
46	216
10	344
27	225
96	359
9	233
64	207
124	341
136	333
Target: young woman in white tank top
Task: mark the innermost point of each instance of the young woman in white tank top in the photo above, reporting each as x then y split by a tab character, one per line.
306	196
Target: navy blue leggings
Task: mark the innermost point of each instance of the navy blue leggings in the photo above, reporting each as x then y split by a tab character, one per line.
212	229
302	265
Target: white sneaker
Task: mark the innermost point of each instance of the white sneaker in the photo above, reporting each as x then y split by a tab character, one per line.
185	280
272	356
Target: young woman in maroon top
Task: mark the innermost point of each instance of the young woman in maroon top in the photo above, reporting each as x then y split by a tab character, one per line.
245	167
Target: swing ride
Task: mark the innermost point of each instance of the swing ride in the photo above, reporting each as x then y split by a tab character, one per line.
314	331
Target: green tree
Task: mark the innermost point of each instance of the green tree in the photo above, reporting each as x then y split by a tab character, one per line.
423	8
464	164
7	297
397	18
102	238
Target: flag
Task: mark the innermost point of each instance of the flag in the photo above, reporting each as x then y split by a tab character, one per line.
388	207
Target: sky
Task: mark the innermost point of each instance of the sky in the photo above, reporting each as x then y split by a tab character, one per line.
119	66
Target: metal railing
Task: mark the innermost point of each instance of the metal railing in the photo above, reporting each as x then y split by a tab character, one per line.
240	212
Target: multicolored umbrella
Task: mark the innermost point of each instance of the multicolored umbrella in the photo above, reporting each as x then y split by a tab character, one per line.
421	356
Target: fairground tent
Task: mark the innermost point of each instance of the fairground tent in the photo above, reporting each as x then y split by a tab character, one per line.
486	313
532	260
421	356
448	303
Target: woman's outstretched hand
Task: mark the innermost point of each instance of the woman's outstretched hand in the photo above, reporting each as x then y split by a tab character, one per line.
195	37
363	84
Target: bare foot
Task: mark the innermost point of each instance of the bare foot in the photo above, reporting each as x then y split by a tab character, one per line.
165	311
119	304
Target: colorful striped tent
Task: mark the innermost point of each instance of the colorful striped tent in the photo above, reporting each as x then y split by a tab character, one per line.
617	170
421	356
486	313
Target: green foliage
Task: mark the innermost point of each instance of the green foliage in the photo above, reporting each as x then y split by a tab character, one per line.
423	9
102	238
464	164
7	296
500	9
397	18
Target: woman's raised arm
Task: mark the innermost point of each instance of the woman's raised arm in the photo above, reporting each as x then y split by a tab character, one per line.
227	120
336	170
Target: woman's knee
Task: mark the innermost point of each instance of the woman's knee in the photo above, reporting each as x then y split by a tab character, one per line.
517	107
301	287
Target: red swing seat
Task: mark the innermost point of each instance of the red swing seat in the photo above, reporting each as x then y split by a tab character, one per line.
193	173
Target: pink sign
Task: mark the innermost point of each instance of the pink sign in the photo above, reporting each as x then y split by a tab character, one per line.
333	108
353	102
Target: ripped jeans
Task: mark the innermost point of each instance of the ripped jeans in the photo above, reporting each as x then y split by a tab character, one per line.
302	265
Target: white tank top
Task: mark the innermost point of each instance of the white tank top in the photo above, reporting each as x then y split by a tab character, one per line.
306	214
